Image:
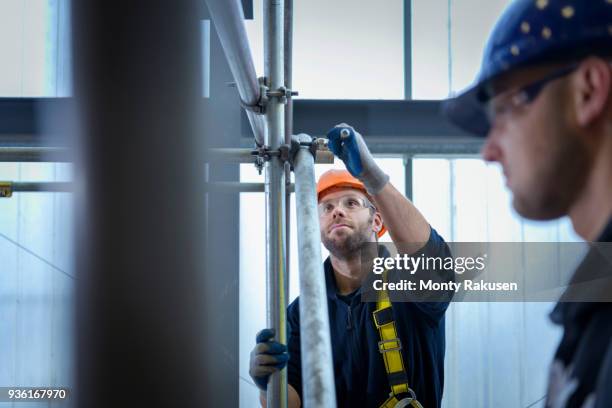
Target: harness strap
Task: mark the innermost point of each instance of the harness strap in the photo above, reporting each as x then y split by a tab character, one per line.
390	346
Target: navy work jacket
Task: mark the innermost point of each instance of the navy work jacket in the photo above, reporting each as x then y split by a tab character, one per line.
582	370
361	379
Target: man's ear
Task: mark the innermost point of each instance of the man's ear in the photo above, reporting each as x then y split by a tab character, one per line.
591	90
377	222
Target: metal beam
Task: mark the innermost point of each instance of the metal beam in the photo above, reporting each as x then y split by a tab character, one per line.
413	127
382	118
24	121
18	116
389	126
379	118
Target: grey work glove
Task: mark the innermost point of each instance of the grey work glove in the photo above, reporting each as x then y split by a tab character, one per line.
267	357
346	143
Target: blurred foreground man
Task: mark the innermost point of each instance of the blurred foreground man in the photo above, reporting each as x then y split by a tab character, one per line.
384	354
543	99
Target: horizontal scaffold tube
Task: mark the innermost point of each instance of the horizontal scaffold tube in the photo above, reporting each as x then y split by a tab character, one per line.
7	188
228	18
236	187
34	154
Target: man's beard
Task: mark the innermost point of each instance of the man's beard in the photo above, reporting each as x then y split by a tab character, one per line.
350	246
559	182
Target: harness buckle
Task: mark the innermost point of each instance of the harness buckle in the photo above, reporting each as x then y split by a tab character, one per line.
382	349
405	402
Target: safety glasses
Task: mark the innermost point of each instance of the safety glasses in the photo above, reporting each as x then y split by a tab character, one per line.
504	104
347	203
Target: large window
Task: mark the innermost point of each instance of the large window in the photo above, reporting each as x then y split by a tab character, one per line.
356	49
36	280
448	39
35	48
342	49
37	272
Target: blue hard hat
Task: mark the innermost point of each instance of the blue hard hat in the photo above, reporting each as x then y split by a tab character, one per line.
530	32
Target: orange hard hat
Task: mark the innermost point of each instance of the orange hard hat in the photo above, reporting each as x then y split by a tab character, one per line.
342	178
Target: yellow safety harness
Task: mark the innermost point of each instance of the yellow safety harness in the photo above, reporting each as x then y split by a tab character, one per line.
390	347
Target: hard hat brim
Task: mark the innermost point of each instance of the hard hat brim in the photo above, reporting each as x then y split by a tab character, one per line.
467	111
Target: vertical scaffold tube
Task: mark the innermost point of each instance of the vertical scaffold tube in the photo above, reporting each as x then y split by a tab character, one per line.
318	387
275	193
288	36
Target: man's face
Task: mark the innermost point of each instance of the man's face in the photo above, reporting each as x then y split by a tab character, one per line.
347	221
542	156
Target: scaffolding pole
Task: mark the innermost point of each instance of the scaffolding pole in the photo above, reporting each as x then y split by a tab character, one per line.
237	187
7	188
288	67
275	192
230	155
318	387
241	155
34	154
228	18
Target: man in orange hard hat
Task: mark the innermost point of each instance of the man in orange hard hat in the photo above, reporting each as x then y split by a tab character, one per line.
371	369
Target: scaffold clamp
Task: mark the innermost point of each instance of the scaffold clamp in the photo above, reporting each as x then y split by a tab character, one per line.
6	189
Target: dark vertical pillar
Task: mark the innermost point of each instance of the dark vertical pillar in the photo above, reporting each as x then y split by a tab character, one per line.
408	49
408	177
140	204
